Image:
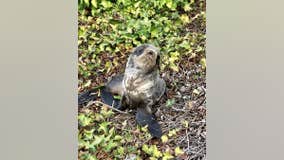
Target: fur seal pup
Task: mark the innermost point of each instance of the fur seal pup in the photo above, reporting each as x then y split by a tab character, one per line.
140	87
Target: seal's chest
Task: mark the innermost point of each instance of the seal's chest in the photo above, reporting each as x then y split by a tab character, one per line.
139	88
145	86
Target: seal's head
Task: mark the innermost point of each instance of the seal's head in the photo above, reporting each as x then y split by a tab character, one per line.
146	57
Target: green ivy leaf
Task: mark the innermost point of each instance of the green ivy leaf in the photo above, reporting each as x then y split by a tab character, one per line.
164	138
187	7
104	126
88	134
120	150
170	4
178	151
98	140
87	2
94	3
146	149
170	102
106	4
203	63
172	132
110	145
167	156
155	152
84	120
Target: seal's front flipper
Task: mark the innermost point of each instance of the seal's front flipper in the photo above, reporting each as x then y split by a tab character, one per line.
143	118
112	88
109	99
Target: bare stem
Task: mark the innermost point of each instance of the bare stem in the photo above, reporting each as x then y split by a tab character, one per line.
110	107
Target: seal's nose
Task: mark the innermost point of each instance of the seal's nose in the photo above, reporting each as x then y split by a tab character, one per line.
150	53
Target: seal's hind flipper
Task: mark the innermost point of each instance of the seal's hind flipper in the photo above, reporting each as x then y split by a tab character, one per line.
87	96
144	118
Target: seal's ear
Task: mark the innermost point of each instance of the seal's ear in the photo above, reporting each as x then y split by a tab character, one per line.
158	60
132	50
130	63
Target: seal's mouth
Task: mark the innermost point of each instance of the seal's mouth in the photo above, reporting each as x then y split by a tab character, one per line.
150	57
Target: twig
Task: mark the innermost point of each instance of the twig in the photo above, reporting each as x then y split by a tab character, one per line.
197	154
94	102
179	110
187	138
201	102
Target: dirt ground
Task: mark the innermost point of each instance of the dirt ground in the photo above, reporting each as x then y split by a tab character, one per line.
187	88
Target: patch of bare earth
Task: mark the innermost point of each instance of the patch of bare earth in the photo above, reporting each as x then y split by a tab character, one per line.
187	87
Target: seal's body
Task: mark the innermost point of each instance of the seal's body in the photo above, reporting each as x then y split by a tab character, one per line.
140	87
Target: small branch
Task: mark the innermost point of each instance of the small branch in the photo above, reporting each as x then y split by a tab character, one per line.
197	154
187	138
110	107
179	110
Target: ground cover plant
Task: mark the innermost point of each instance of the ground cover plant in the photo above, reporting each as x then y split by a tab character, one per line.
107	31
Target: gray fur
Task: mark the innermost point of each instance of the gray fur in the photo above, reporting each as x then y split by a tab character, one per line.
142	85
